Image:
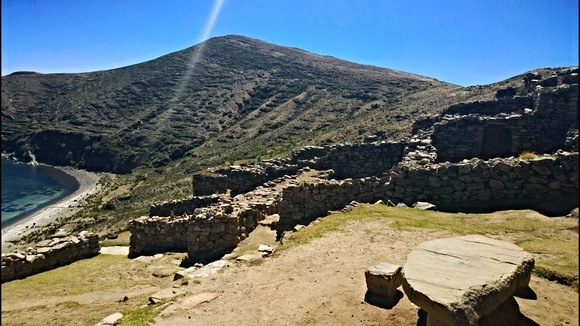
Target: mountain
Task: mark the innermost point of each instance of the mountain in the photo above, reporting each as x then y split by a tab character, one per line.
227	98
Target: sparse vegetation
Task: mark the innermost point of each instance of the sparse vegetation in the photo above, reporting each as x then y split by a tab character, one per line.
140	316
526	155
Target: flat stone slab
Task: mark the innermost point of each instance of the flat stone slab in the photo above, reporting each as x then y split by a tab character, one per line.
115	250
193	273
110	320
459	280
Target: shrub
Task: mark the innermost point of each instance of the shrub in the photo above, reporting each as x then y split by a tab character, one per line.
527	154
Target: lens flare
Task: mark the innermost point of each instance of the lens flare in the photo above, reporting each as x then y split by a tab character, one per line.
165	117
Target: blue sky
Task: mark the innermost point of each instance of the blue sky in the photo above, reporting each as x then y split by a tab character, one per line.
465	42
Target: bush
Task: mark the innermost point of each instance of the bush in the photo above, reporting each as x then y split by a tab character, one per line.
527	154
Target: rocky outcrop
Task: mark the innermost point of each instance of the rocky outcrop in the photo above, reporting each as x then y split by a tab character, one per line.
459	280
49	254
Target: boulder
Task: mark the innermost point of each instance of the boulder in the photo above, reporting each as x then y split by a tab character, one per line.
110	320
425	206
459	280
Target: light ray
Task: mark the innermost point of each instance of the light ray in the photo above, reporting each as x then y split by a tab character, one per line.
164	118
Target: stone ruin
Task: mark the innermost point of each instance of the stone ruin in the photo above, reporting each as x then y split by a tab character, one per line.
49	254
467	159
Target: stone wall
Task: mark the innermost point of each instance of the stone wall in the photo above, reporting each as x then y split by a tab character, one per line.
548	184
209	183
152	235
353	160
502	105
209	232
49	254
240	178
345	160
213	233
183	206
542	127
303	203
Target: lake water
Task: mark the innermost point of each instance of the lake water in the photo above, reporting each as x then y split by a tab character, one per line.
28	188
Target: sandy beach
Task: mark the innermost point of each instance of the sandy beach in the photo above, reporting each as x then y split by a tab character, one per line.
88	184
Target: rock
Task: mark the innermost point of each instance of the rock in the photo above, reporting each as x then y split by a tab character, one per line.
573	213
266	250
379	202
425	206
382	280
249	257
195	300
459	280
298	227
402	205
165	295
110	320
193	273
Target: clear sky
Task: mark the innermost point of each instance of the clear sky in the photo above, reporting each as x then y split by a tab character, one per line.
465	42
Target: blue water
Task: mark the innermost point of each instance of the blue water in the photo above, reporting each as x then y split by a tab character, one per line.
28	188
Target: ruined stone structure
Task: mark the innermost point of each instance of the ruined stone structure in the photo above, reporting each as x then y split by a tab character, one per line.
49	254
209	232
466	159
184	206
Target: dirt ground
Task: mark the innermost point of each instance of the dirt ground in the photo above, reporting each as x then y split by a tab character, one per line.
320	283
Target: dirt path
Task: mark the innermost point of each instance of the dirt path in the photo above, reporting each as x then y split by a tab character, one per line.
323	283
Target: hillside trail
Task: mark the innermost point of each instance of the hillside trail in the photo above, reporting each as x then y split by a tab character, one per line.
323	283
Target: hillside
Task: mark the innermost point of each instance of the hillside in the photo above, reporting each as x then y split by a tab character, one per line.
241	98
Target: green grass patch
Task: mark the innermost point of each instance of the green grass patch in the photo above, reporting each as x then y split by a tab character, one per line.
552	241
96	274
140	316
122	240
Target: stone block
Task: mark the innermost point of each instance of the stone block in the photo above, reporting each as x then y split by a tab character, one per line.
382	281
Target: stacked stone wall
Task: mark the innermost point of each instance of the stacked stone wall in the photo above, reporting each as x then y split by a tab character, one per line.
183	206
543	129
508	105
303	203
548	184
215	232
206	183
152	235
360	160
209	232
49	254
244	179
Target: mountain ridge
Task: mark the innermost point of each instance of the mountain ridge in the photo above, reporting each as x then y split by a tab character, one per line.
242	99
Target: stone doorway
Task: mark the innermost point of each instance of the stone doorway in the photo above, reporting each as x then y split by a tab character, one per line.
497	142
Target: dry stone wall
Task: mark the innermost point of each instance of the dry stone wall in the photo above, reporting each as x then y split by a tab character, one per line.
183	206
353	160
302	203
548	184
543	125
49	254
209	232
152	235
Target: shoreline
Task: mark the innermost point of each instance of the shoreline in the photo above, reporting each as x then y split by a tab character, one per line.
88	184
